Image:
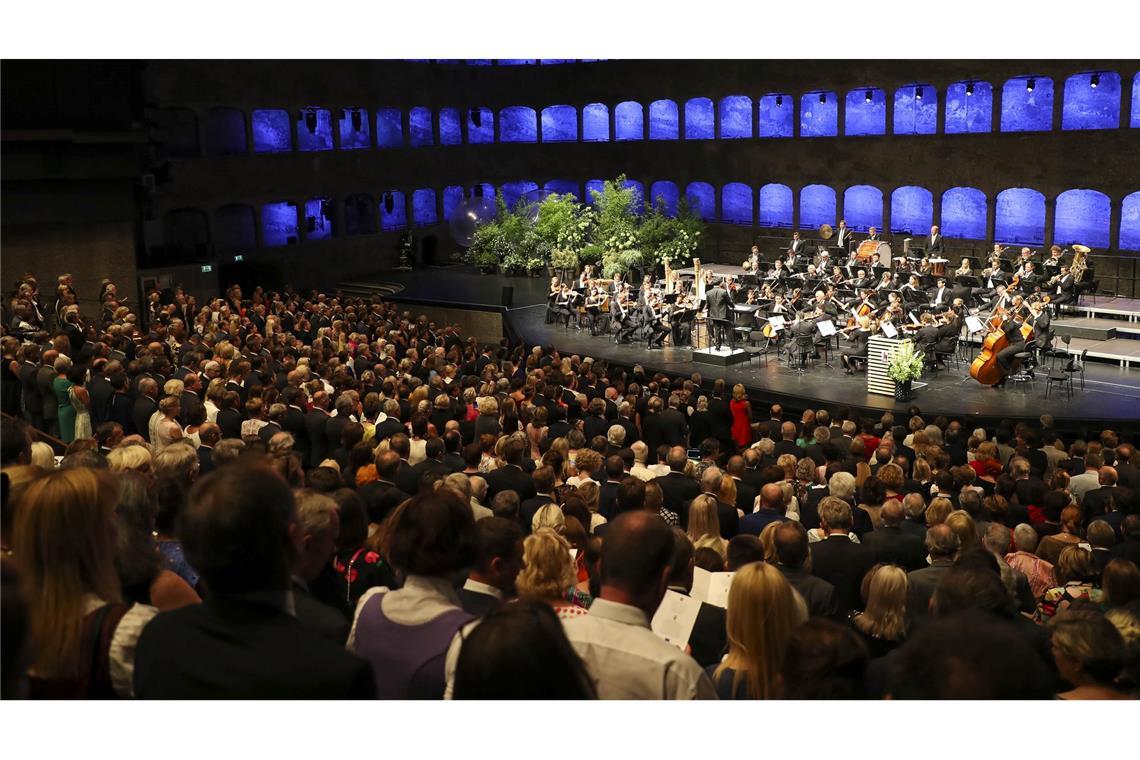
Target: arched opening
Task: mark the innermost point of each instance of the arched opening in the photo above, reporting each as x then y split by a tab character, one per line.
663	122
225	132
1020	216
964	213
1083	216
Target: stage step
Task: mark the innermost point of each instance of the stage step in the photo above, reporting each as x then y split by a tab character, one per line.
1090	328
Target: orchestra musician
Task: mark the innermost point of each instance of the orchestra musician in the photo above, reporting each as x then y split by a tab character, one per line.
1028	278
1011	326
586	277
893	310
623	321
940	294
1052	265
796	248
856	346
719	304
837	277
886	283
1062	286
654	321
873	233
934	242
912	290
1024	258
963	269
594	304
1001	299
567	305
823	261
924	266
552	298
618	285
778	273
645	289
752	263
824	306
681	319
843	238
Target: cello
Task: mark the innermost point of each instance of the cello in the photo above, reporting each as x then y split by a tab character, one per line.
985	368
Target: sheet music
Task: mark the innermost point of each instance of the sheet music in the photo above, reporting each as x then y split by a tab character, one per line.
973	324
675	618
719	584
889	330
826	328
776	321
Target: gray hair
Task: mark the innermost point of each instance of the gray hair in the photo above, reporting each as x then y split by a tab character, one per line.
836	513
1025	538
942	541
179	459
459	483
315	512
615	435
841	485
710	480
640	451
997	538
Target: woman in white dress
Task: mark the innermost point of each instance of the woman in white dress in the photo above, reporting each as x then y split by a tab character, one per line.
81	401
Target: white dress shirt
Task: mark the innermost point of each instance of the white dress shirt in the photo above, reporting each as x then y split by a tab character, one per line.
628	661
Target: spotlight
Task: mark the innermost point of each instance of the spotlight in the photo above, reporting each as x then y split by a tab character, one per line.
823	97
389	203
779	101
477	117
357	119
867	96
969	88
1094	80
918	93
1029	85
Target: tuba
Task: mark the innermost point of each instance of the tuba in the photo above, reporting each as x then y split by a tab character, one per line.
1079	265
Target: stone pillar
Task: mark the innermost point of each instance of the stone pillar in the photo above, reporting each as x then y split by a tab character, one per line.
941	95
840	113
935	209
1125	101
579	111
1116	210
889	125
613	124
716	120
294	119
886	228
496	117
248	117
1058	104
680	121
991	219
1050	221
796	208
794	104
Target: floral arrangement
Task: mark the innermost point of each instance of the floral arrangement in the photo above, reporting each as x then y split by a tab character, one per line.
905	364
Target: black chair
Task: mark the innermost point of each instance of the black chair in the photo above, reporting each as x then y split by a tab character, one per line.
803	349
1059	377
1053	353
754	349
1076	366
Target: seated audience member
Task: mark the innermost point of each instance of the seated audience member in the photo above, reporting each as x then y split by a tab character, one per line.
1075	580
1037	571
762	614
405	634
548	574
707	641
772	509
625	658
520	651
742	550
81	635
497	565
837	559
1089	652
704	525
942	546
996	540
242	642
791	544
1127	623
1121	583
890	544
709	559
883	624
318	525
825	661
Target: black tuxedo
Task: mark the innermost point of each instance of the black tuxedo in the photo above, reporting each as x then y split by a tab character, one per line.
121	410
677	491
334	426
320	618
719	303
230	649
417	471
510	478
788	447
229	421
388	428
294	424
100	390
268	430
665	427
315	421
894	546
843	564
934	244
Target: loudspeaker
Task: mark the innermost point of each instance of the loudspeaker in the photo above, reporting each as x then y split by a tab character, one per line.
508	296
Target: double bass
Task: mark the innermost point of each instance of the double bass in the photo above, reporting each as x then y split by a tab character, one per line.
985	368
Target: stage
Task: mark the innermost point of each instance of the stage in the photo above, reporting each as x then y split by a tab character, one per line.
1111	395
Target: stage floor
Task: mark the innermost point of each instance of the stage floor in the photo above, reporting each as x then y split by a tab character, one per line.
1111	396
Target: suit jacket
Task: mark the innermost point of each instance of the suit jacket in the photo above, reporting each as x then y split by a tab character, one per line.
842	563
333	428
719	303
120	409
315	421
189	402
100	390
30	391
380	498
818	593
141	412
45	376
237	649
934	244
677	491
268	430
1127	475
529	507
922	584
607	499
720	420
294	424
318	617
754	523
410	482
510	478
229	420
205	459
388	428
1095	502
477	603
594	425
788	447
894	546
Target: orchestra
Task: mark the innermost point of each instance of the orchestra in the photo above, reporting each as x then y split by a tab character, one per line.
791	294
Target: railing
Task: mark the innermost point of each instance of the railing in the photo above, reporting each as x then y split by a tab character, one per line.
57	446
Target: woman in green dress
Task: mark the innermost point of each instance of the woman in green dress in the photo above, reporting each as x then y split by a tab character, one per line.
61	386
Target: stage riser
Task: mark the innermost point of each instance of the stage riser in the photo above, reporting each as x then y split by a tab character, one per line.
719	360
1089	333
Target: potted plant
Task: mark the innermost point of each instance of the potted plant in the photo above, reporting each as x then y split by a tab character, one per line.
904	367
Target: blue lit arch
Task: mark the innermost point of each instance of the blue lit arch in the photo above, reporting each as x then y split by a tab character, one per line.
354	129
964	213
594	186
518	124
420	132
397	218
1130	223
359	215
318	219
1020	216
562	187
480	126
513	191
1082	216
596	123
863	207
865	115
1135	118
969	107
819	114
817	206
1092	101
736	203
701	197
912	210
637	202
453	195
450	127
629	121
775	206
424	212
699	119
278	224
665	193
389	128
314	129
271	132
916	110
736	118
775	115
559	124
1027	104
663	120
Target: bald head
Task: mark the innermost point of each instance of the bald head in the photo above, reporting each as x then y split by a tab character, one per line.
1107	476
636	558
892	513
942	542
772	497
788	431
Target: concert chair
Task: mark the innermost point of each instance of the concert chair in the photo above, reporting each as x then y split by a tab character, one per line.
1025	366
1076	366
1055	353
754	349
803	350
951	356
1059	377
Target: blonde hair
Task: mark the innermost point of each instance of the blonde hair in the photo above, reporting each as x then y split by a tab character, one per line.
768	541
549	516
762	614
727	490
66	538
132	457
963	526
43	456
703	519
885	616
738	392
591	493
938	511
548	569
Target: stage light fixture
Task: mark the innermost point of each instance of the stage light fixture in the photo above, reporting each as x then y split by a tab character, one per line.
389	203
867	96
779	101
1030	84
918	93
823	97
310	116
357	119
1094	80
969	88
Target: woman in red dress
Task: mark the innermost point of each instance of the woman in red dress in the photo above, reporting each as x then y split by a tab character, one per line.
741	417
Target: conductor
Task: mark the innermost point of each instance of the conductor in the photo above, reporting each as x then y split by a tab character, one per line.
720	305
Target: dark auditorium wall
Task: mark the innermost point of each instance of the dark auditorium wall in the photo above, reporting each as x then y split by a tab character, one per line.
179	221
